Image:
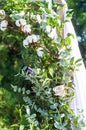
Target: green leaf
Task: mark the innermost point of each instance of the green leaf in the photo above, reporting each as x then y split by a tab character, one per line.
14	88
51	71
72	61
46	82
78	61
21	127
54	106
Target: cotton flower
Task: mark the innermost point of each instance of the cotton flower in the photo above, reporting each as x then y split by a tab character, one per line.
40	52
26	28
59	90
20	22
3	25
53	34
39	18
48	28
2	14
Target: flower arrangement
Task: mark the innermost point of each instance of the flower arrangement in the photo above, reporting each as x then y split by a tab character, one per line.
46	71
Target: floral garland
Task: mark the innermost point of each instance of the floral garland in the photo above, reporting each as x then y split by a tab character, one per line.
48	68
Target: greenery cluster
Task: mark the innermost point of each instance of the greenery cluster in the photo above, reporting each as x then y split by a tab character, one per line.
35	59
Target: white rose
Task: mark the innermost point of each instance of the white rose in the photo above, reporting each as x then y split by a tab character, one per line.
53	34
25	43
22	13
26	28
40	52
48	28
29	39
2	14
35	38
59	90
3	25
20	22
39	18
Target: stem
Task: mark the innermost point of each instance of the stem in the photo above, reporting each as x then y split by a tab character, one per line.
12	25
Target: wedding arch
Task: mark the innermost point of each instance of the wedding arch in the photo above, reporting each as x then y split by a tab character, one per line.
50	87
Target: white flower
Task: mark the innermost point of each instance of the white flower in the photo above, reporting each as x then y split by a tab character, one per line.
25	43
20	22
35	38
28	110
39	18
40	52
2	14
59	90
3	25
53	34
48	28
30	39
22	13
26	28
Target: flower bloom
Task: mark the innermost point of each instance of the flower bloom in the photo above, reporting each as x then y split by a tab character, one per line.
39	18
35	38
20	22
53	34
48	28
2	14
3	25
28	110
40	52
22	13
30	39
59	90
26	28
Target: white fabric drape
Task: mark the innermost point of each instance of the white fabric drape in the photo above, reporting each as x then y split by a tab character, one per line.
79	100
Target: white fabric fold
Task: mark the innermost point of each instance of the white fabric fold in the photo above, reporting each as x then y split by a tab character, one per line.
79	100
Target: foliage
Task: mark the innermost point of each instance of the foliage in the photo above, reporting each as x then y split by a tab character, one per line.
32	39
79	21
